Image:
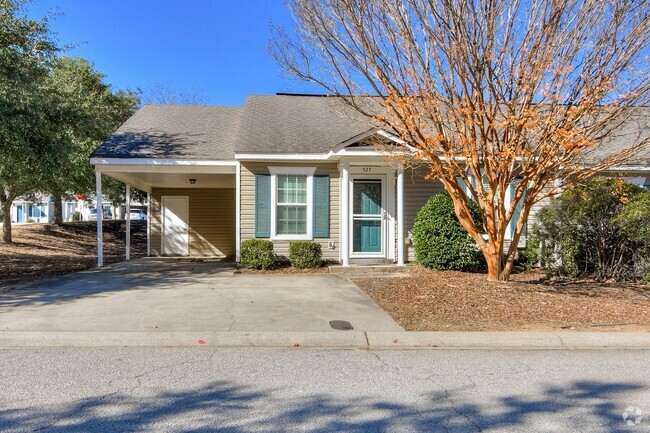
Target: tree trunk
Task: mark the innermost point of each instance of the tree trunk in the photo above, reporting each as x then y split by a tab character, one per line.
510	263
494	260
58	210
6	221
494	264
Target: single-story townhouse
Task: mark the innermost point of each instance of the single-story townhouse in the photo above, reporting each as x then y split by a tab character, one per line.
282	167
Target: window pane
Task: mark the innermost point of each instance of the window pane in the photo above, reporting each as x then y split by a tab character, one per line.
292	189
292	220
367	198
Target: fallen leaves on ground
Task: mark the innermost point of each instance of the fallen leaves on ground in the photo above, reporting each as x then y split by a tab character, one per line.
45	250
429	300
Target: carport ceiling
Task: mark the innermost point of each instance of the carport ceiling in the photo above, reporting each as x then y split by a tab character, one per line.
176	180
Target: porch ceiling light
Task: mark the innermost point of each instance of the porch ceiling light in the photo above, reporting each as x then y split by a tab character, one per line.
192	181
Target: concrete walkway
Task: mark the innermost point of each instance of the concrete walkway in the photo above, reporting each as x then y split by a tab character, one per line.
182	296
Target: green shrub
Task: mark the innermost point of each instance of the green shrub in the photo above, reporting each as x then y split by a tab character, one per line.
305	254
440	241
257	253
598	228
76	216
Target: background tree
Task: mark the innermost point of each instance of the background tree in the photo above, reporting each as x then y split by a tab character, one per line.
166	94
498	97
98	111
31	138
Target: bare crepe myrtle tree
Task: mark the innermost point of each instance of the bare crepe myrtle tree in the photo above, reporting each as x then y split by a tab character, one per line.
497	98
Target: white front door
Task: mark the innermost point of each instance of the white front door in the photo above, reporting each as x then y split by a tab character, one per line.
175	230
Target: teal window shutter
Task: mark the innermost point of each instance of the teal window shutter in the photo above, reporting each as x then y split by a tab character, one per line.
262	205
517	212
321	206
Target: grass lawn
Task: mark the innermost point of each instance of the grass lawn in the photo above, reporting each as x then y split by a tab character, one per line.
428	300
45	250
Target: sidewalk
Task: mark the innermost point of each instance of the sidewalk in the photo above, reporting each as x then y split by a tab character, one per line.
342	339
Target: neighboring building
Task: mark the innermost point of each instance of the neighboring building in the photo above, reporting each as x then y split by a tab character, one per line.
282	167
37	211
41	210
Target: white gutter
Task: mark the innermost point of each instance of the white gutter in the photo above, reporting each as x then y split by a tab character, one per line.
282	156
157	161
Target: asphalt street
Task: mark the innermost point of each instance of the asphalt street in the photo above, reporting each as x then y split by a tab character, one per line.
284	390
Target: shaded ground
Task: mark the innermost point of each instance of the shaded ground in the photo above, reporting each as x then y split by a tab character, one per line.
45	250
429	300
188	296
300	390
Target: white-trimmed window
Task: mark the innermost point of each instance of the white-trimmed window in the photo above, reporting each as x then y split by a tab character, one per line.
291	202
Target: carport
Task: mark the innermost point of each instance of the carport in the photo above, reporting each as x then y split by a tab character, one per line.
192	208
186	165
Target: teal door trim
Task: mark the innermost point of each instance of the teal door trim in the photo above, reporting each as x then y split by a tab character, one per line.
368	216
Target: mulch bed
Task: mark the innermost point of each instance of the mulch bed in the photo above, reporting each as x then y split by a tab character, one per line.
283	269
428	300
45	250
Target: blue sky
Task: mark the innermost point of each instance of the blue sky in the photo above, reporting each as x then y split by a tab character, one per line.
216	49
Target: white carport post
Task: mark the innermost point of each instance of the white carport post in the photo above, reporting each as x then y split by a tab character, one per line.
238	213
148	223
127	217
345	215
100	234
400	217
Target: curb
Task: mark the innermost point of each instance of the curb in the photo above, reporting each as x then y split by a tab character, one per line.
511	340
329	339
52	339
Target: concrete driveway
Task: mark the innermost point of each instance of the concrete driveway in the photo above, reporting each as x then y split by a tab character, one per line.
171	295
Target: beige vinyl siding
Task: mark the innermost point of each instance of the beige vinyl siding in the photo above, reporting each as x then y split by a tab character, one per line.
248	172
211	220
417	191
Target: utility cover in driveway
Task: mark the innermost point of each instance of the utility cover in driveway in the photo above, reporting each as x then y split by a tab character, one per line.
341	325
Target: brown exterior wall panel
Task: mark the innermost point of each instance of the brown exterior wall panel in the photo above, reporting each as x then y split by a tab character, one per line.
211	220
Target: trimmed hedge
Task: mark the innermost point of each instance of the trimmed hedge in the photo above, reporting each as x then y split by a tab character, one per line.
257	253
305	254
440	241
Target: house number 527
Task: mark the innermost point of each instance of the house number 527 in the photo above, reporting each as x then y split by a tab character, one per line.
367	169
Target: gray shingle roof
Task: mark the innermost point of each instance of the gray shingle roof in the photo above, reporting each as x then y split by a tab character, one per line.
632	131
279	124
296	124
176	132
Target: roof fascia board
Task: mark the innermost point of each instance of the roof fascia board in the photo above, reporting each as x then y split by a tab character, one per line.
628	168
219	169
281	156
159	161
354	139
392	137
341	148
357	152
